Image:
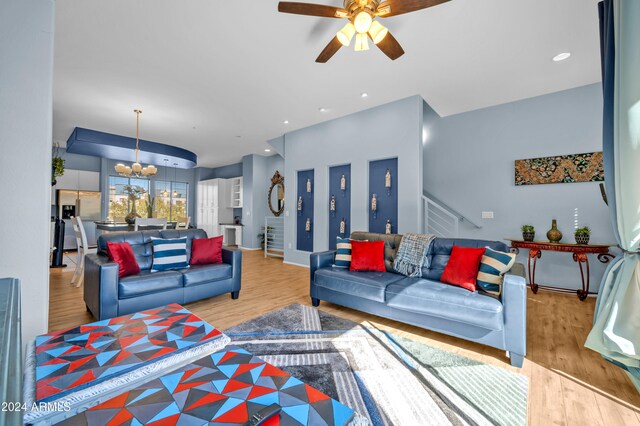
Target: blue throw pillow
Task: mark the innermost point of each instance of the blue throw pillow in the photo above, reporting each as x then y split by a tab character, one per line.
343	255
493	266
169	254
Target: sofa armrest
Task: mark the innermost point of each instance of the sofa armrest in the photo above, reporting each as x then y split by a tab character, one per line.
316	261
234	258
514	302
101	286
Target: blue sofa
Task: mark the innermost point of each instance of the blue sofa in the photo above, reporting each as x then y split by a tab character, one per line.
426	302
107	296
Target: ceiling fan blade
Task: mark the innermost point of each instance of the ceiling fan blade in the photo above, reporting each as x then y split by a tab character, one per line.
390	8
311	9
331	49
390	46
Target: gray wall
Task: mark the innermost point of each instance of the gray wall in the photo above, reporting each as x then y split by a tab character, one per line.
392	130
26	84
469	164
256	185
79	162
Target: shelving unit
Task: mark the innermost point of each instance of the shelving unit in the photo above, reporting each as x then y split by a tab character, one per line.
235	191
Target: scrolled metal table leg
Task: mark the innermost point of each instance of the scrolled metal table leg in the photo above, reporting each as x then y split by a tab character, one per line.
534	254
582	258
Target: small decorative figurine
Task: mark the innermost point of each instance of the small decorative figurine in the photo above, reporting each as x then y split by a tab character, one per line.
387	181
343	185
307	225
374	205
300	205
332	205
387	227
343	225
308	184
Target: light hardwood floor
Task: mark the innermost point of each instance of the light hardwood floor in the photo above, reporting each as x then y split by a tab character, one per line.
568	384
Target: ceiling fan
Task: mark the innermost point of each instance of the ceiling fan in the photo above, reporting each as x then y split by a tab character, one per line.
361	14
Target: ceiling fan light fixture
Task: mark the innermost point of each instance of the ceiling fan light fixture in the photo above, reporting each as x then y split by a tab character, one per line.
362	22
362	42
346	34
378	32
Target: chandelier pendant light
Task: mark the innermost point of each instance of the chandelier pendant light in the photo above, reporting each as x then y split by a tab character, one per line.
136	169
165	193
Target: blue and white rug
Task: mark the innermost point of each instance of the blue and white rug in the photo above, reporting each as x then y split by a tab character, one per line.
387	379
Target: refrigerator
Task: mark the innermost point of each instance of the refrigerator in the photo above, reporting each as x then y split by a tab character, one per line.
83	204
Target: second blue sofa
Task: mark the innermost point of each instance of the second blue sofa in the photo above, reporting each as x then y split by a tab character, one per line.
426	302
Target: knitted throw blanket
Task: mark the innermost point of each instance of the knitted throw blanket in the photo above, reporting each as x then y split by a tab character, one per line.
411	254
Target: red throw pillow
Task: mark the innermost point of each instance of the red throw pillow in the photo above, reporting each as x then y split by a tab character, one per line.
205	251
122	254
367	256
462	268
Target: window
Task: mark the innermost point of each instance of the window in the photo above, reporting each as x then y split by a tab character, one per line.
119	203
171	199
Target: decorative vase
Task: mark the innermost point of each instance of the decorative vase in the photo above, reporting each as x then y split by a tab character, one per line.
554	235
529	235
131	217
582	239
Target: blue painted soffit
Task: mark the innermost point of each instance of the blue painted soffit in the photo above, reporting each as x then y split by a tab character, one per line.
115	147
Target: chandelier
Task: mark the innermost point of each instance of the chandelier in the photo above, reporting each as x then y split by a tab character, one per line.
136	169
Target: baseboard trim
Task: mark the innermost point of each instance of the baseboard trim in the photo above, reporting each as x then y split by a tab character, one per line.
296	264
250	249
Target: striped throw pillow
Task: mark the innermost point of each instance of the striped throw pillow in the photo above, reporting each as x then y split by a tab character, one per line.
169	254
493	266
343	255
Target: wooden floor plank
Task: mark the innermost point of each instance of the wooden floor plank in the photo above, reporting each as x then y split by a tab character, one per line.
567	382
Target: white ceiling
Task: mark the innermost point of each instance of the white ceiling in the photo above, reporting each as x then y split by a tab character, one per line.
219	78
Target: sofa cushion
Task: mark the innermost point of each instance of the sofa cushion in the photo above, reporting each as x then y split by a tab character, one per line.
206	251
391	245
343	253
492	268
367	256
438	255
462	268
146	282
368	285
445	301
198	274
122	254
169	253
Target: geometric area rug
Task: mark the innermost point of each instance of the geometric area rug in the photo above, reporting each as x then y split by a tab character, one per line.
387	379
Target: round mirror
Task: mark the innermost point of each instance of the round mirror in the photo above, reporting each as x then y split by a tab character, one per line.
276	194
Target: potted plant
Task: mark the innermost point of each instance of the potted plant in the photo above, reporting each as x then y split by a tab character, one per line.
582	235
262	236
151	205
57	169
528	232
134	192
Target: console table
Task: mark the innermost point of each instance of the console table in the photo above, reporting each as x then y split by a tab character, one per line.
579	252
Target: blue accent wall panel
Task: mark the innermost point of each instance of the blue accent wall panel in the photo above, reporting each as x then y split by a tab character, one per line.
304	238
387	199
343	203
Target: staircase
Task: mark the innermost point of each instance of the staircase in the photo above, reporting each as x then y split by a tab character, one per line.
441	220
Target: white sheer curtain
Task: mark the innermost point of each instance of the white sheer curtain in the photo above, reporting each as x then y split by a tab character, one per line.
616	328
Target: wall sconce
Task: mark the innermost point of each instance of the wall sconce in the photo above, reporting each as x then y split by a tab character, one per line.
387	227
343	226
374	206
299	205
343	185
309	185
307	227
387	181
332	205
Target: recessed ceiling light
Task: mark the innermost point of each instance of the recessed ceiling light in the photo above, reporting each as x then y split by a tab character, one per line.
267	150
561	56
322	109
364	95
286	121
